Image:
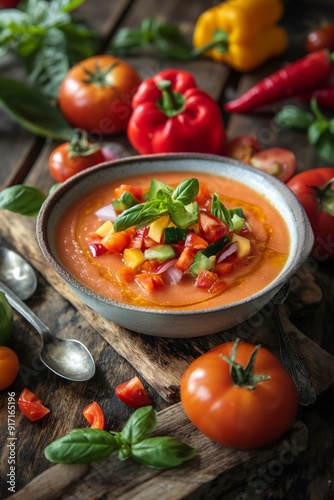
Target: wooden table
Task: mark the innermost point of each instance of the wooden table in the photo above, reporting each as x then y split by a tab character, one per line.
300	465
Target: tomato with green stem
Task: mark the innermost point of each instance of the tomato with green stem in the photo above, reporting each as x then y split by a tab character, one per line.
315	190
9	367
93	413
70	158
239	395
133	393
31	406
96	94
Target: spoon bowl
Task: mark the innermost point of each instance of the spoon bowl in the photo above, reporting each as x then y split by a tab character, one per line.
67	358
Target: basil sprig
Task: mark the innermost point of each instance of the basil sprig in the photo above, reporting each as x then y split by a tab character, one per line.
47	39
163	200
83	446
319	129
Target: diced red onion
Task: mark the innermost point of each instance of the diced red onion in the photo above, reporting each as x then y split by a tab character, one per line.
228	250
106	213
164	266
174	274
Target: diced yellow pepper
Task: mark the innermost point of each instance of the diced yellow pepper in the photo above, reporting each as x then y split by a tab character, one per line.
157	227
104	229
133	257
244	245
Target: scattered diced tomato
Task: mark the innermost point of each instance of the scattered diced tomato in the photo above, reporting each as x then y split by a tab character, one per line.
195	241
149	266
203	197
206	279
186	259
133	393
31	406
137	239
136	191
217	287
149	282
95	416
211	228
125	275
223	268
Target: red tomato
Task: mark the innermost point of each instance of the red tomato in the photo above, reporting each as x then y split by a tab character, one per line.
96	94
276	161
31	406
231	406
70	158
315	190
242	148
94	415
211	228
9	367
133	393
149	282
322	37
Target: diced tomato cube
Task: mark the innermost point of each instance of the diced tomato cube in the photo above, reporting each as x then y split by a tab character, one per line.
195	241
206	279
186	258
133	393
137	239
211	228
149	282
137	192
178	247
223	268
125	275
203	196
218	286
149	266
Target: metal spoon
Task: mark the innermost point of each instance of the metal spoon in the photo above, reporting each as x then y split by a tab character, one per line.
68	358
290	358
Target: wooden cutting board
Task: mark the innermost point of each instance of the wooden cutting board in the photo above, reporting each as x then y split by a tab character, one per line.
162	361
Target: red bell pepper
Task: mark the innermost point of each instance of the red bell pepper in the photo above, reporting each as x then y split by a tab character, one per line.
305	74
171	114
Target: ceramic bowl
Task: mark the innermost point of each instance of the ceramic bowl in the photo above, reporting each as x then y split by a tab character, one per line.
176	323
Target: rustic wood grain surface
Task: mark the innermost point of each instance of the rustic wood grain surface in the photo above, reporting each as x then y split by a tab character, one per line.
300	465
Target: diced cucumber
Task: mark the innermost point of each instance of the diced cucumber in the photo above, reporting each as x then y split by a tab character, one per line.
174	234
201	262
160	253
216	246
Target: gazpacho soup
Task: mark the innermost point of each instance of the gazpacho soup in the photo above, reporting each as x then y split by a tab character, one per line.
179	240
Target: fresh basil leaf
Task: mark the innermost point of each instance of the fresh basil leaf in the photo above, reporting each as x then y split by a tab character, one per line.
128	218
82	446
140	425
68	5
186	191
219	210
315	131
295	118
22	199
181	216
157	186
325	146
162	452
32	110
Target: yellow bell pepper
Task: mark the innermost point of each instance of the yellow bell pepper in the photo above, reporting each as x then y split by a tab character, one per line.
133	257
242	33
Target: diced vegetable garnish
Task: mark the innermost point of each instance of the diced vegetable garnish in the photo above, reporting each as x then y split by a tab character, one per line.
169	233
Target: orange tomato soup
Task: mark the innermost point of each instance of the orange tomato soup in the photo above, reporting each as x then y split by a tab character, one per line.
100	273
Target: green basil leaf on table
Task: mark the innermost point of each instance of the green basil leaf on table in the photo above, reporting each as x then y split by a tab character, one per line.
33	110
294	118
162	452
140	425
22	199
82	446
324	144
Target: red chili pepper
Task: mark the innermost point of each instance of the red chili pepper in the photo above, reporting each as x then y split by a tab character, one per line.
323	95
305	74
170	114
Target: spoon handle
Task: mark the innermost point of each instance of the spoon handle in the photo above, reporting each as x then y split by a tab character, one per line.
294	364
25	311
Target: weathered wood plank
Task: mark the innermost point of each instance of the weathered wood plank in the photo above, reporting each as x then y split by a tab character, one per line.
213	463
